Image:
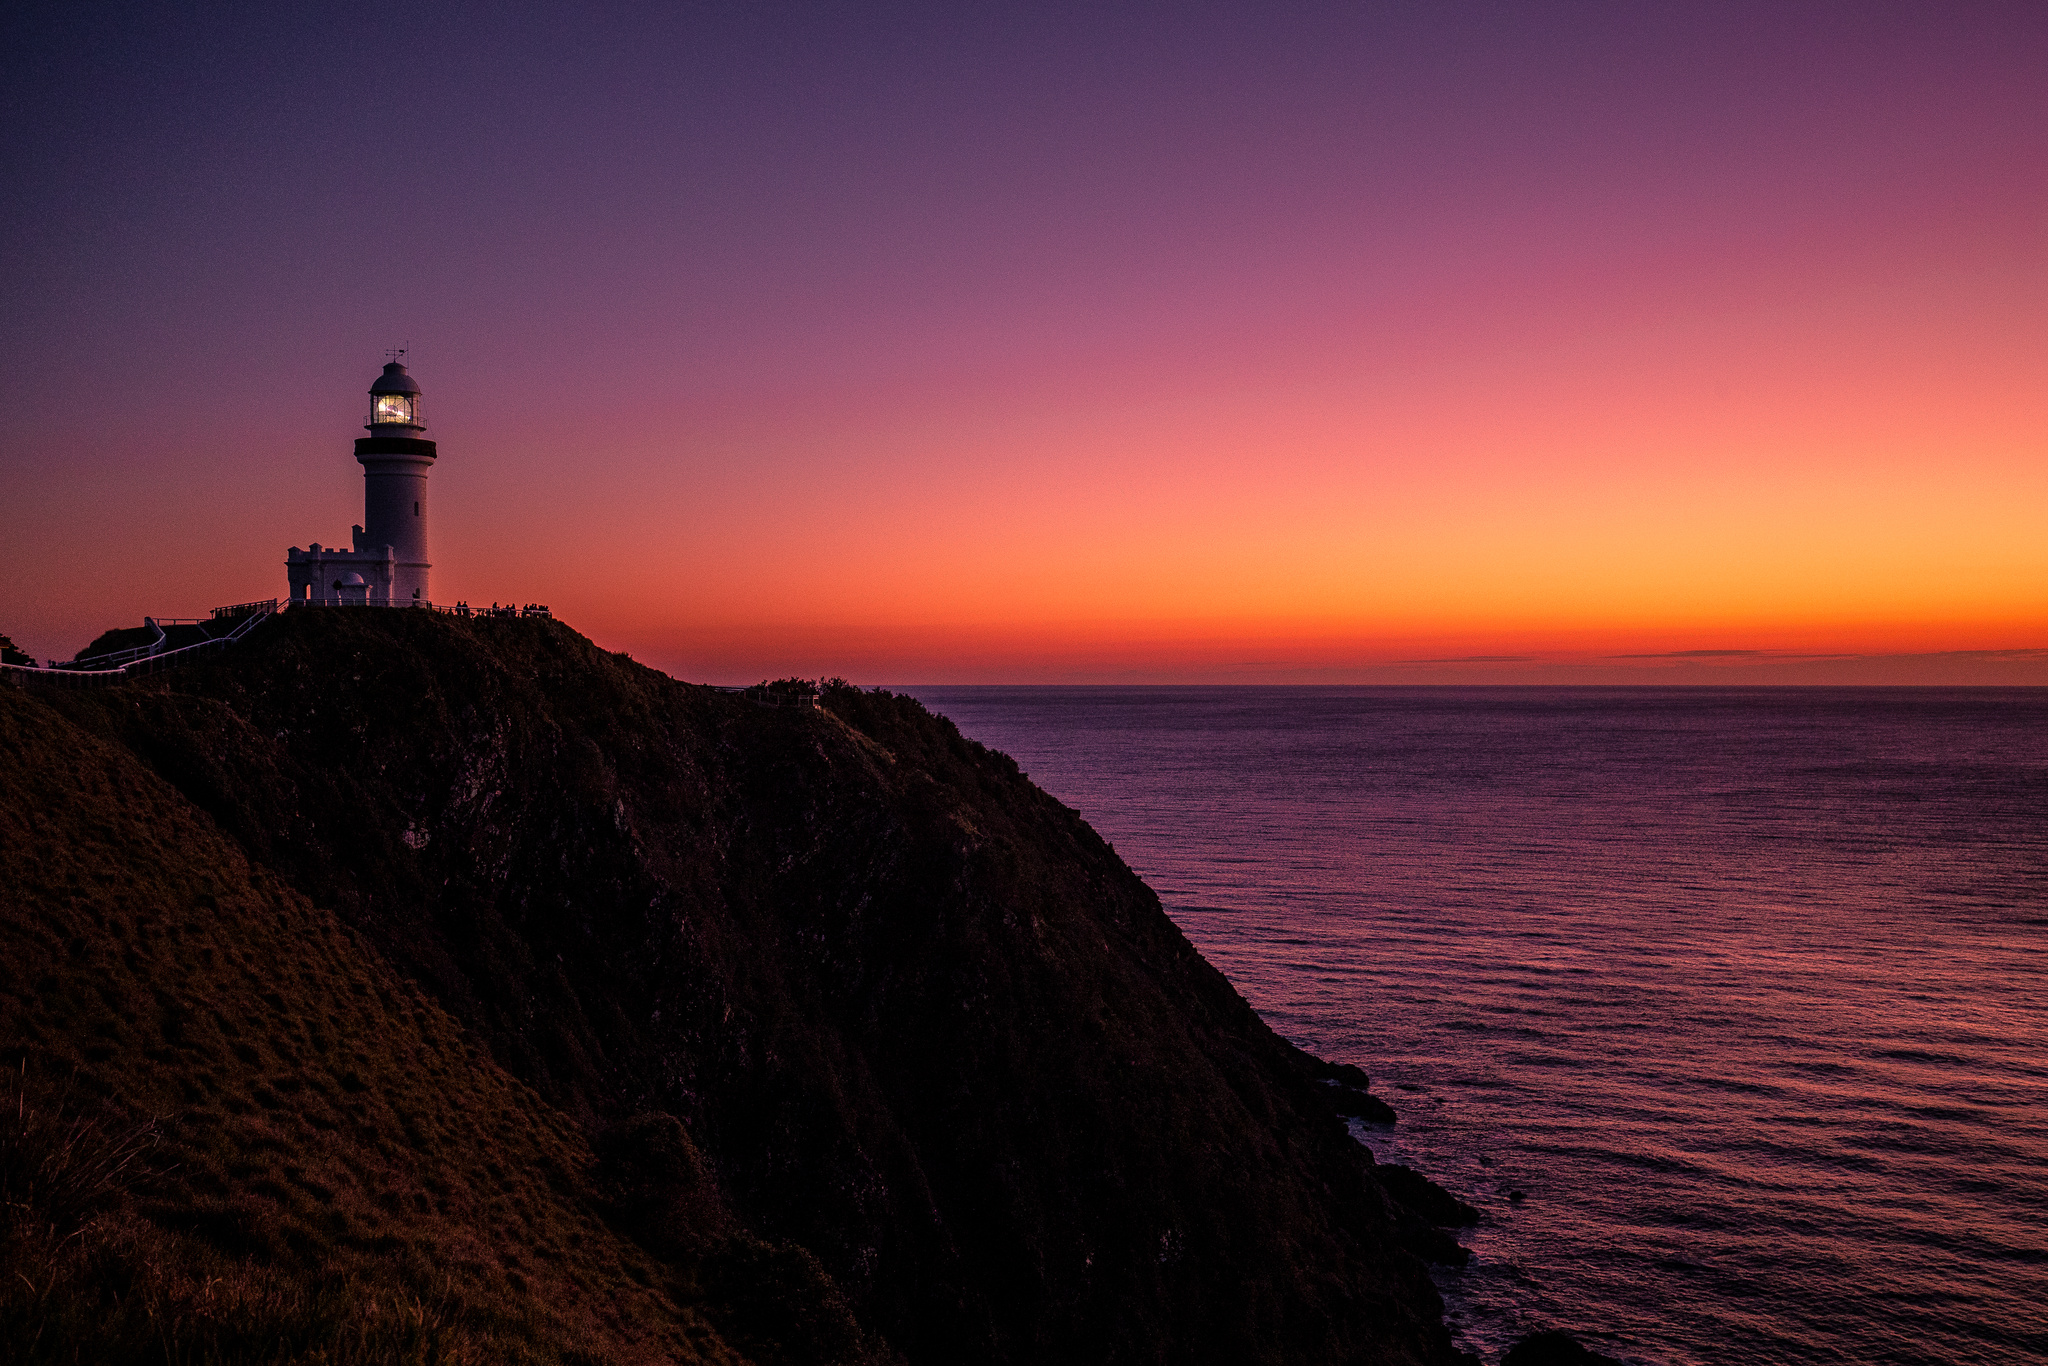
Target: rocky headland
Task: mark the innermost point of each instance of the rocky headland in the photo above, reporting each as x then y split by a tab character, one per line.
399	987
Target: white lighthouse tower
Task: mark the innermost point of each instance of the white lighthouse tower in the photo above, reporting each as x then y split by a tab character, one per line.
387	564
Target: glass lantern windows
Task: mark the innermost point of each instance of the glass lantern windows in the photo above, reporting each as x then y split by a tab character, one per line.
395	402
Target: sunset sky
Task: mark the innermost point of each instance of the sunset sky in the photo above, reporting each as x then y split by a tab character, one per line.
969	343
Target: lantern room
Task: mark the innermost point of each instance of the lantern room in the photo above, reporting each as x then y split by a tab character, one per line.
395	401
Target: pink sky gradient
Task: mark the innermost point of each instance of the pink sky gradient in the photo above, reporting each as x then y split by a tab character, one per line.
1247	345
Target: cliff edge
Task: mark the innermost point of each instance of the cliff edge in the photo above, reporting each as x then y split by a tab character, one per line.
612	1018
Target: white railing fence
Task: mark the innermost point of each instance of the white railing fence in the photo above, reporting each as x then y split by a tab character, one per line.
232	623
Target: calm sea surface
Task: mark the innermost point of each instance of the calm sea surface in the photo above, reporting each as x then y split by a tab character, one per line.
1747	990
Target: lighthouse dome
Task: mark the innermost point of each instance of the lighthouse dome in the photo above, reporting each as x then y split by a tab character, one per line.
394	380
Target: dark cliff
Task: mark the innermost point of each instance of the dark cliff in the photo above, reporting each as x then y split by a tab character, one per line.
950	1084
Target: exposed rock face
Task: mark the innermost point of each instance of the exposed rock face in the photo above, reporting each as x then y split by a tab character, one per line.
1357	1104
1425	1197
835	982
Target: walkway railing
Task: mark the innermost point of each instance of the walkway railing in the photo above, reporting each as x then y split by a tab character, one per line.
50	677
147	659
117	658
241	618
248	622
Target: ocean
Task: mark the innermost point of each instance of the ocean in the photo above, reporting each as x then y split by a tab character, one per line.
1746	991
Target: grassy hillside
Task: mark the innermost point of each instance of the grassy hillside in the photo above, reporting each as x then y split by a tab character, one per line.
232	1133
811	1005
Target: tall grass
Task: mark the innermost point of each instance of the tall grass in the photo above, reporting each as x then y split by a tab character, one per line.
83	1280
61	1168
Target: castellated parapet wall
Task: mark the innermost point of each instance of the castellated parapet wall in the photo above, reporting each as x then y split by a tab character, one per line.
321	573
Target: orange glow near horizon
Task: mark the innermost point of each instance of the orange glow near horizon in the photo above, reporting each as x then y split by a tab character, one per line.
1596	505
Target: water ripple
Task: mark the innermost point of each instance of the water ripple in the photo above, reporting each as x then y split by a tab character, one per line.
1744	989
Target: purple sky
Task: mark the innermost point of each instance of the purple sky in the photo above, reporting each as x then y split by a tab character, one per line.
695	286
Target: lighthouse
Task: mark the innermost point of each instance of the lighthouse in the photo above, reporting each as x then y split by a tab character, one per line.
387	563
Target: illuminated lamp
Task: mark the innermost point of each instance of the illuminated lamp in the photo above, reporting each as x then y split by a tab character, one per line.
395	401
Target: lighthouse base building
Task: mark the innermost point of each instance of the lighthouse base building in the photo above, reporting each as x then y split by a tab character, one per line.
386	563
324	574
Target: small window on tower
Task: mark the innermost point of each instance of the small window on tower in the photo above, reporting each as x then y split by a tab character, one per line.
415	509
